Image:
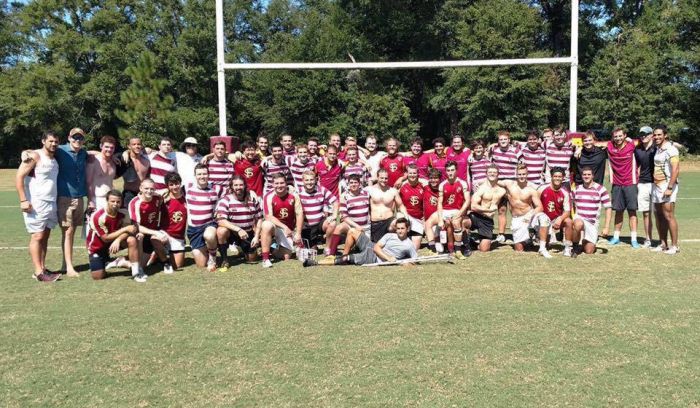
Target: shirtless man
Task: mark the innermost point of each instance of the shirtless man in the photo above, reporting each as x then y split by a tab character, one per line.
136	168
100	173
484	205
384	201
525	208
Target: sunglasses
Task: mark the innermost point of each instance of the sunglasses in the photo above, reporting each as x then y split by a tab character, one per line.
78	138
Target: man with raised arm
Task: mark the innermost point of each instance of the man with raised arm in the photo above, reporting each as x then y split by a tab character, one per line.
284	221
36	186
484	204
239	219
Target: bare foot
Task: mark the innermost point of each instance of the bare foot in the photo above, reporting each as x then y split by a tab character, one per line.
72	274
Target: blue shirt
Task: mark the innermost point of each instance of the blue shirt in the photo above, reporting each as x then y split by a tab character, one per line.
71	172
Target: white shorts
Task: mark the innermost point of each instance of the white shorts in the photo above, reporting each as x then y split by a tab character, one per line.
449	214
417	225
644	196
520	226
283	240
590	230
44	215
658	194
176	244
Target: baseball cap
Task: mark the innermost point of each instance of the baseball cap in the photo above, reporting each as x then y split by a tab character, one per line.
189	140
645	130
76	131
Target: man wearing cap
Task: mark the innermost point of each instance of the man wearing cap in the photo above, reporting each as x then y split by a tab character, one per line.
186	159
72	190
644	155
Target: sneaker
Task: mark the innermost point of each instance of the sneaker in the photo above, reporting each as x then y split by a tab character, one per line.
646	244
141	277
466	251
500	238
234	250
635	244
211	264
307	263
659	248
567	251
224	266
439	248
458	255
613	241
47	277
545	253
433	253
267	263
672	250
168	269
115	263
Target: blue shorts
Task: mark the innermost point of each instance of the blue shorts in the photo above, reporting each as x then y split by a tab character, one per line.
99	260
196	235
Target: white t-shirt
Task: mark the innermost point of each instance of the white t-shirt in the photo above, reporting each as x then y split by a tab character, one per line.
185	165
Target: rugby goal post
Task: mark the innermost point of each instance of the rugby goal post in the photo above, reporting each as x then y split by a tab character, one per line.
222	65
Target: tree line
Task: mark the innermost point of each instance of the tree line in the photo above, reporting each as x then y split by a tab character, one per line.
131	67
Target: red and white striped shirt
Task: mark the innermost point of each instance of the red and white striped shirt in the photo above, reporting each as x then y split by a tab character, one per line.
506	161
201	203
160	166
559	156
297	169
314	204
271	168
220	172
588	201
355	207
243	214
477	169
146	213
535	161
357	168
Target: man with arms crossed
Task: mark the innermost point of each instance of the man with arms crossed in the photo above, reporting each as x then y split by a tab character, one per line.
484	204
384	202
453	202
37	199
108	234
589	197
284	221
239	219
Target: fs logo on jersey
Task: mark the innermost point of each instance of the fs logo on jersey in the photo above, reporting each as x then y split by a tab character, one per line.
414	200
433	201
152	217
451	199
393	167
550	206
248	173
284	213
176	217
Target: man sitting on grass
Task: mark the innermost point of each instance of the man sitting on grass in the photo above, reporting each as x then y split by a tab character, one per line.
390	248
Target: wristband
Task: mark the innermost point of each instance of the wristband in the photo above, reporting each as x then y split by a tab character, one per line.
23	201
669	188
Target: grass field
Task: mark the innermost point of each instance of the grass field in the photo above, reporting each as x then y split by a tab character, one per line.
501	329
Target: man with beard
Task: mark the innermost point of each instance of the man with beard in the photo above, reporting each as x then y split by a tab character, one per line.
393	163
411	193
239	219
284	221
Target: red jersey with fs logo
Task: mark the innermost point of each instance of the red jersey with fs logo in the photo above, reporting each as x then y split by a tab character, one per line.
146	213
395	167
174	217
453	194
281	208
412	197
430	201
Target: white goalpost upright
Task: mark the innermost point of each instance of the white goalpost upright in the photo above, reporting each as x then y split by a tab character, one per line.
222	66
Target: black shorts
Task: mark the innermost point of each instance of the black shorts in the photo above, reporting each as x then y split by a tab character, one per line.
624	198
313	234
380	228
99	260
147	245
244	244
482	224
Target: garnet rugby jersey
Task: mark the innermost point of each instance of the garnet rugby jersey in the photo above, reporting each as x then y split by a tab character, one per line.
453	194
588	201
422	162
535	161
622	165
220	172
160	166
201	203
356	207
462	160
430	201
329	176
412	197
252	173
555	202
438	162
146	213
174	217
395	168
506	161
101	224
243	214
281	208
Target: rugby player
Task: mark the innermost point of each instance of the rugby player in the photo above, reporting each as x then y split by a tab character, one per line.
145	211
239	219
284	221
589	197
484	204
202	198
453	202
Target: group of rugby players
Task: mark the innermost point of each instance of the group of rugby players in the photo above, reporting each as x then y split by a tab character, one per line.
268	200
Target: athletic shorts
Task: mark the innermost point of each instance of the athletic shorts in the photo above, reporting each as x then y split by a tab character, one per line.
658	194
624	198
176	244
449	214
417	226
644	196
71	211
590	229
244	244
366	253
196	235
380	228
147	245
520	227
482	224
43	216
283	240
99	260
313	234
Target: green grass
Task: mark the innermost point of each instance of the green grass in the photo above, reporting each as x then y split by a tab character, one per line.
501	329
